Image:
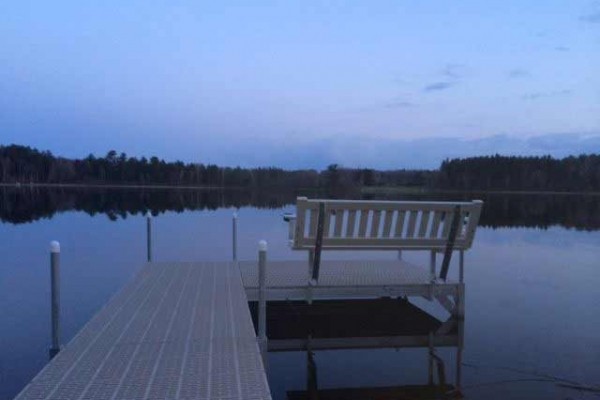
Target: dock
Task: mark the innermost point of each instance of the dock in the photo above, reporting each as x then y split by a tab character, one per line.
186	331
287	280
177	331
202	330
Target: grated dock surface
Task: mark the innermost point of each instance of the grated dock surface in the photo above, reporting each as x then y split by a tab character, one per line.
337	273
177	331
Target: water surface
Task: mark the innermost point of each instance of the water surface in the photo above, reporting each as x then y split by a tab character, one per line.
531	281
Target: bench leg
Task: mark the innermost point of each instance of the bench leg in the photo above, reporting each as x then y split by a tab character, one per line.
460	301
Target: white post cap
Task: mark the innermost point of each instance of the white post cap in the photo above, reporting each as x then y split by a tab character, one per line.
148	214
54	247
235	215
262	245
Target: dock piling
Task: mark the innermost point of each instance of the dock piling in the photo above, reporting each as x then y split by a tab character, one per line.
149	236
432	263
55	296
262	299
234	236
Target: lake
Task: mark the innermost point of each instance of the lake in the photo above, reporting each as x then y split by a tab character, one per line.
532	280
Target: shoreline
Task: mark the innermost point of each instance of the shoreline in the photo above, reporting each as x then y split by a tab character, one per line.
424	190
363	190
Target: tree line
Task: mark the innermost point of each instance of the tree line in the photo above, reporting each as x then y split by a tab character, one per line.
21	164
569	174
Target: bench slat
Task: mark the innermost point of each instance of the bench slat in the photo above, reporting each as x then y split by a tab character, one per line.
339	220
400	223
424	223
350	223
435	225
362	227
447	224
387	223
375	224
327	222
312	224
412	221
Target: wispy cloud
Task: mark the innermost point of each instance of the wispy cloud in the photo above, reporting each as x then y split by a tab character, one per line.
540	95
399	104
454	71
437	86
518	73
593	18
562	48
428	152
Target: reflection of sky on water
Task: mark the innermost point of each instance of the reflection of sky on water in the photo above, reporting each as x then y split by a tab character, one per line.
530	297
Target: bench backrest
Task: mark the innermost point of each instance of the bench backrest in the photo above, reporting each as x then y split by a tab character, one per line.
385	225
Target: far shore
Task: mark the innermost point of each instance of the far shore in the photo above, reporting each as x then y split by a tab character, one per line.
364	190
425	190
118	186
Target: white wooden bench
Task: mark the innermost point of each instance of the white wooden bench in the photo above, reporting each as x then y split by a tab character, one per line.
437	227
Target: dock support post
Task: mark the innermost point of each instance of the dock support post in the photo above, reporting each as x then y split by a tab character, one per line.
432	266
55	296
149	236
459	354
234	236
461	266
430	359
262	299
460	301
312	385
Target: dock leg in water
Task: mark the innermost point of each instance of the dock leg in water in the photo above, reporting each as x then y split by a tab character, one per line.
262	299
55	296
234	236
149	236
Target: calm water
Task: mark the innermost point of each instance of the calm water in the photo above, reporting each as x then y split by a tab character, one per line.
532	280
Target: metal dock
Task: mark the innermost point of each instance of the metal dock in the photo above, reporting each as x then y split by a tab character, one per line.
185	330
286	280
177	331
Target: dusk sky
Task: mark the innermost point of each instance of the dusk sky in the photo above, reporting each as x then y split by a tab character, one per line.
385	84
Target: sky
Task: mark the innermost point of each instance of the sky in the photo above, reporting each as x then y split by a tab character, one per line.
301	84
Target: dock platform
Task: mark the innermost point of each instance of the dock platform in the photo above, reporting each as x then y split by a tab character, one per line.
185	330
177	331
288	280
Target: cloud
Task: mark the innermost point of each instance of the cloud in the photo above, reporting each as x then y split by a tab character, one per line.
437	86
519	73
562	48
540	95
593	18
454	71
399	104
360	151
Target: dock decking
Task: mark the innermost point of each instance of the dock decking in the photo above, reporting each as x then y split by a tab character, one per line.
177	331
343	279
185	331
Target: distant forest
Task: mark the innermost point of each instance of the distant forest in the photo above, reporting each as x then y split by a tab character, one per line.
25	165
21	164
570	174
